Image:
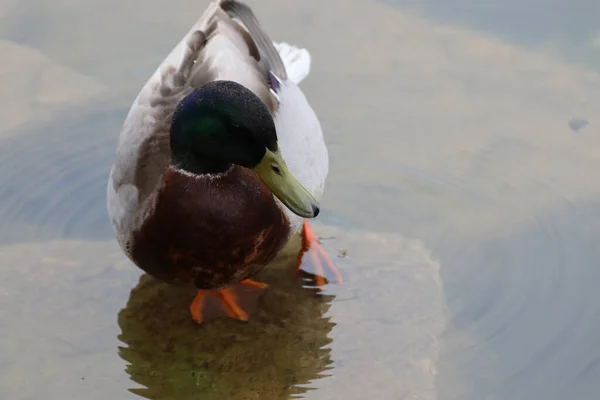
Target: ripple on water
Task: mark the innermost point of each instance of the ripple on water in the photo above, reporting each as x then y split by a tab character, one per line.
525	311
54	175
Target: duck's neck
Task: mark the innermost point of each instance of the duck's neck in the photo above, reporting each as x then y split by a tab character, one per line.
197	144
188	162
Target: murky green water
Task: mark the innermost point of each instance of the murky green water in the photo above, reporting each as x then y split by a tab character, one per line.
461	205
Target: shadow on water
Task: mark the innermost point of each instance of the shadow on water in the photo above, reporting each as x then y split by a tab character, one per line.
275	355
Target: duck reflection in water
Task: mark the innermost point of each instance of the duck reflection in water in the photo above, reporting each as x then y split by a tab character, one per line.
273	356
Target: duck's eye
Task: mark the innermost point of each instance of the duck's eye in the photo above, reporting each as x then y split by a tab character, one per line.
276	169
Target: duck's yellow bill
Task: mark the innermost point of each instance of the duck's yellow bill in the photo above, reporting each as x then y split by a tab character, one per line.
273	171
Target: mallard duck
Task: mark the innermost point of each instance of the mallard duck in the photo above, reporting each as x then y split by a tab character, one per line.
220	161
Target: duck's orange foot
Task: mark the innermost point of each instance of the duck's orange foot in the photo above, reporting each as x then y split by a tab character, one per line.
314	261
236	301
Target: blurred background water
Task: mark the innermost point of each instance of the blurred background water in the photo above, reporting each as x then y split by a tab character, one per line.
460	203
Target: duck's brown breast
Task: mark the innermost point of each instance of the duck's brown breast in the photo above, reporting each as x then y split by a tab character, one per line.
210	231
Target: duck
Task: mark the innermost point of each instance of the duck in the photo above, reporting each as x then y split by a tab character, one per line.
219	162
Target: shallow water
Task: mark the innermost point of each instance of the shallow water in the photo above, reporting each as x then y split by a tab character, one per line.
461	206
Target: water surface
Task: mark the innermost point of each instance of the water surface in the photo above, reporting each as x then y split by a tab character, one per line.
461	208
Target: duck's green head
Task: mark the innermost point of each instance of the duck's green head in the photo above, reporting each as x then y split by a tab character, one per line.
224	124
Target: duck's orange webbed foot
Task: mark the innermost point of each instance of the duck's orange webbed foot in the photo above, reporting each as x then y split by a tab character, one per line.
236	301
314	261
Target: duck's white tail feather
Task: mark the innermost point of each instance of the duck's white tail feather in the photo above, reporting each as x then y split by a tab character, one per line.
296	61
